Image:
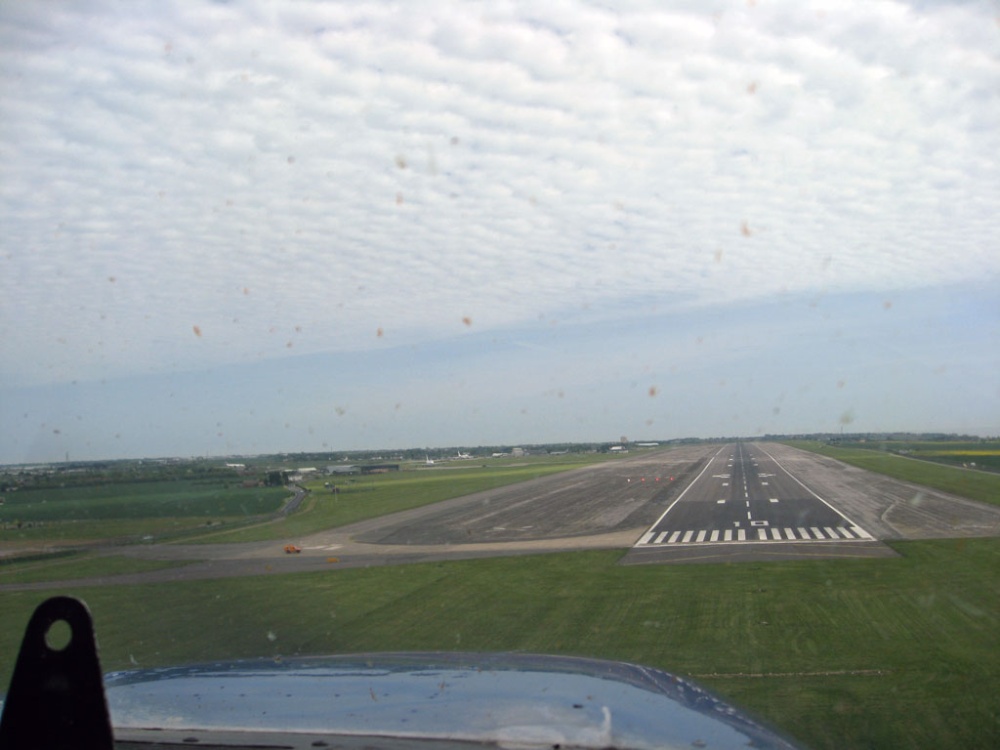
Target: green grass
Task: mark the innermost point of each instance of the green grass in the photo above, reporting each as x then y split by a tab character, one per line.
131	509
80	531
975	485
140	500
867	653
979	454
76	566
377	495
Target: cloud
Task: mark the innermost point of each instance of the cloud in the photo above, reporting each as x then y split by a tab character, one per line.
357	166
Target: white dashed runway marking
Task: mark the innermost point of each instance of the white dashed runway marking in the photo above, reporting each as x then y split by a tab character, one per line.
773	534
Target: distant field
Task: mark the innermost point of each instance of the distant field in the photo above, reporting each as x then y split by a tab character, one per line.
371	496
983	455
866	653
130	508
976	485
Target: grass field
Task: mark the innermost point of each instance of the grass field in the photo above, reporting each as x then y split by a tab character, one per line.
878	653
377	495
131	509
979	454
976	485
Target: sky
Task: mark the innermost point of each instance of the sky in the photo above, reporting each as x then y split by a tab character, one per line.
254	227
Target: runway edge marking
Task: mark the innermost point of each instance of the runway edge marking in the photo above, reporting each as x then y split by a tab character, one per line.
803	485
678	499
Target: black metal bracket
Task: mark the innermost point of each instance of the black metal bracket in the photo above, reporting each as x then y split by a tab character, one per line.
56	696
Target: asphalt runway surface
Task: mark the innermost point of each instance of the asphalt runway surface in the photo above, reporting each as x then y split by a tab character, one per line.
620	495
679	505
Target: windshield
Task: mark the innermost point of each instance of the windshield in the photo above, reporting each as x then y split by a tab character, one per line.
659	332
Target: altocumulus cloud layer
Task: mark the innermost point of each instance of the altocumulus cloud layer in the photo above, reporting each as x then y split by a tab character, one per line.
188	186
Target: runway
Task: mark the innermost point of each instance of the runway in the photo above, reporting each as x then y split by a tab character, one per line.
745	495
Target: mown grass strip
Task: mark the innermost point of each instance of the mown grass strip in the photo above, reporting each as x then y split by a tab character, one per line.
122	529
974	485
873	653
61	567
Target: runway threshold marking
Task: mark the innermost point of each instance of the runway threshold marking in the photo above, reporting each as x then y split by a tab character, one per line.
768	534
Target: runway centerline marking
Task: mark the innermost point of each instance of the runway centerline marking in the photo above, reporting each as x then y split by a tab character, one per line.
702	528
